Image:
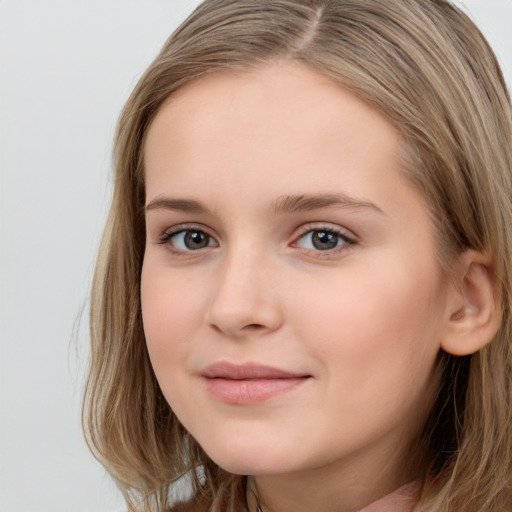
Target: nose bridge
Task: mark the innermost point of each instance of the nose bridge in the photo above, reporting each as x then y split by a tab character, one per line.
243	301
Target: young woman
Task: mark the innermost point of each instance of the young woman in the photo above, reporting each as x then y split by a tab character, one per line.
302	299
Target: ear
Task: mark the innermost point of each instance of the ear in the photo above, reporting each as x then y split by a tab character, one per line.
474	313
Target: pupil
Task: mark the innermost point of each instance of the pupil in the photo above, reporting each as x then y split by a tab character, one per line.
324	240
196	240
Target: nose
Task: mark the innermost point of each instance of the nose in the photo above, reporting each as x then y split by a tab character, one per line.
245	299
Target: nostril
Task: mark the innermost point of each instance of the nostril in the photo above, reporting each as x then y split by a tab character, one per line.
253	327
246	329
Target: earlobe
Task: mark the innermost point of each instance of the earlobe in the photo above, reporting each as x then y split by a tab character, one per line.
474	313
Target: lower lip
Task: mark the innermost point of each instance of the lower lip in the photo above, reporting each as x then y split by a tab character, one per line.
251	391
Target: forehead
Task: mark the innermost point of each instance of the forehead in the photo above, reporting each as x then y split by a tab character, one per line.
278	116
302	94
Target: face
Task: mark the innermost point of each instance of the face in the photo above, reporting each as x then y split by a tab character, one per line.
291	298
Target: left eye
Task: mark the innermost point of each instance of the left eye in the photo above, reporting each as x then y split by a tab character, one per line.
191	240
322	240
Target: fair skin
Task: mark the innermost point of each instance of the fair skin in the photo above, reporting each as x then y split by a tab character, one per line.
337	289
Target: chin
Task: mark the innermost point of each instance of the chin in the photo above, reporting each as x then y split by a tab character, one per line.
249	457
250	465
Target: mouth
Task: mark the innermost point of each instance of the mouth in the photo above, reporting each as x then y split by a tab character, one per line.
249	383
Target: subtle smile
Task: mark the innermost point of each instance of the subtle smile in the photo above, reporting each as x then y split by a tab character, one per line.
250	383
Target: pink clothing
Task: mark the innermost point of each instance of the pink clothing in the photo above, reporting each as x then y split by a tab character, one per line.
404	499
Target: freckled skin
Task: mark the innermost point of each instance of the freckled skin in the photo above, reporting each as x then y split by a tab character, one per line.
363	320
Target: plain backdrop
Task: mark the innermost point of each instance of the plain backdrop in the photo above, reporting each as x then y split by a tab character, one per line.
66	68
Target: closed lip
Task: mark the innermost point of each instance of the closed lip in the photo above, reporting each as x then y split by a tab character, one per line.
249	384
249	371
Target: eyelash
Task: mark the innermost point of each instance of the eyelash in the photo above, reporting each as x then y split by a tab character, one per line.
343	241
167	237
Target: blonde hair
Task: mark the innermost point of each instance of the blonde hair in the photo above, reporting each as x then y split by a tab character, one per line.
425	66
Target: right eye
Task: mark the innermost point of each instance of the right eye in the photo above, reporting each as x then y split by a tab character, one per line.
188	240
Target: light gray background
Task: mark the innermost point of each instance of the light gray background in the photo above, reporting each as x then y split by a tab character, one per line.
66	68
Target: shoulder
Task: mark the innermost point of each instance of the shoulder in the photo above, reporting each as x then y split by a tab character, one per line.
404	499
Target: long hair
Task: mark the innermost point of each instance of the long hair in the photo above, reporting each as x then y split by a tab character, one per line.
429	70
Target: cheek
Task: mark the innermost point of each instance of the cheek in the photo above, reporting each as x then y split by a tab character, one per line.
373	339
379	324
170	313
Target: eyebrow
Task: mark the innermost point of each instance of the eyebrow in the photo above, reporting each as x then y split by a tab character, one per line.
307	202
184	205
283	204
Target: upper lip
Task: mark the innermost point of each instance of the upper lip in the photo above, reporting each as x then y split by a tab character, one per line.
225	370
